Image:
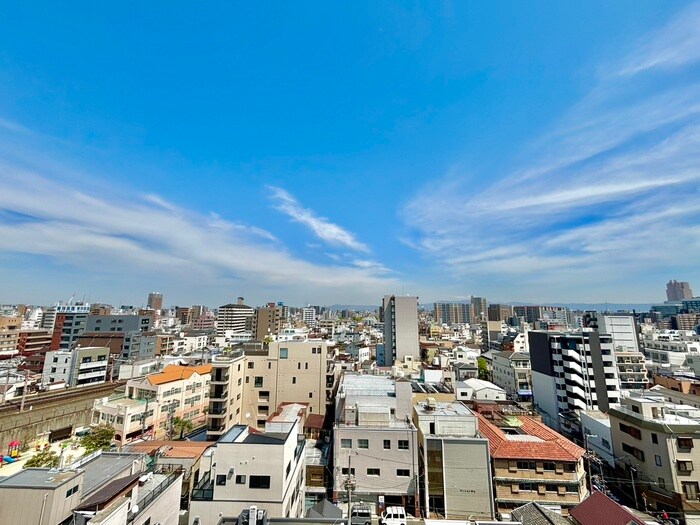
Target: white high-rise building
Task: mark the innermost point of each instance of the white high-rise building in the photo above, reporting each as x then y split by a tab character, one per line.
400	328
234	317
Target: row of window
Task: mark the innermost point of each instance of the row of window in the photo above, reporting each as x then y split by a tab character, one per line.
546	465
364	444
548	487
254	482
400	472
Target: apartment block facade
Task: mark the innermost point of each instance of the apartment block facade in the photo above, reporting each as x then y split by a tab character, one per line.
400	328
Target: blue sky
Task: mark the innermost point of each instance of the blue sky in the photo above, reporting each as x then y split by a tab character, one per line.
334	152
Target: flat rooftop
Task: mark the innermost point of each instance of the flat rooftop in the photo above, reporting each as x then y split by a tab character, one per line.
106	467
38	478
443	409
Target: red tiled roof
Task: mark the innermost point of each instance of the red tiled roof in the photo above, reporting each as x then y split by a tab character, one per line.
598	509
553	447
314	421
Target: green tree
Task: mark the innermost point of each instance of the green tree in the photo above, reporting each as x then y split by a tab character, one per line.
183	425
99	438
45	458
483	368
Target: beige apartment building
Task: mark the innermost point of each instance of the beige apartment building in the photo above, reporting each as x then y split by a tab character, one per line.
532	462
287	372
228	372
150	404
656	442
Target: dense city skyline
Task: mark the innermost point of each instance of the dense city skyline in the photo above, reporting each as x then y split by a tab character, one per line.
335	154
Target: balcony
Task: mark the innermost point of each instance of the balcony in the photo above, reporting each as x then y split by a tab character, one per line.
90	375
204	490
92	364
219	394
219	377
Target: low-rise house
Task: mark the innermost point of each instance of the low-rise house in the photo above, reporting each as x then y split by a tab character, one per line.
479	390
532	462
511	371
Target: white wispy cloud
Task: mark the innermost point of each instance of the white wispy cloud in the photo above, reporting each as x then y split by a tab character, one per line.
325	230
148	236
676	44
608	199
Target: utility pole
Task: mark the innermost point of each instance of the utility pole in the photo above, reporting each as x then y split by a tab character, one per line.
350	483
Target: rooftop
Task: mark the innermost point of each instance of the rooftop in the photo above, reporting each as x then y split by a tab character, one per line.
442	409
38	478
172	449
598	508
523	437
176	372
107	466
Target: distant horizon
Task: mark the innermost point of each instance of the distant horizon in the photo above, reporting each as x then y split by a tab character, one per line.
338	152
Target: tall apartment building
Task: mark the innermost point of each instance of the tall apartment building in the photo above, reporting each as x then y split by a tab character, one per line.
678	290
375	443
268	320
119	323
400	328
532	462
455	466
453	313
499	312
67	323
531	314
233	317
225	393
480	307
287	372
657	443
572	371
308	315
155	301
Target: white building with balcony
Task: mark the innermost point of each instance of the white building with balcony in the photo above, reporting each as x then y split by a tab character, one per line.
249	468
80	367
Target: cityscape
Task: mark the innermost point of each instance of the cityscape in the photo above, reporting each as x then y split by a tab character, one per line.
362	263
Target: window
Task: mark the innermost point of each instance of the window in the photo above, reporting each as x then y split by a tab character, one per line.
289	469
269	365
606	443
258	382
251	365
363	443
632	431
685	466
639	454
662	483
346	443
526	465
311	395
684	442
403	444
654	439
531	487
298	366
387	444
551	487
373	472
294	380
657	460
284	353
345	471
690	489
221	479
549	465
403	473
259	482
72	491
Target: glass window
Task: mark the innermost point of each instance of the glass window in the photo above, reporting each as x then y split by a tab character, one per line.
403	473
346	443
387	444
284	353
373	472
363	443
259	482
403	444
258	382
240	480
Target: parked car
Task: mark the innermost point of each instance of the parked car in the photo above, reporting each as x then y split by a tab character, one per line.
393	516
361	515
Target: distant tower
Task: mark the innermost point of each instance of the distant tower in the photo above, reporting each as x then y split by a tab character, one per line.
678	290
155	300
400	328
